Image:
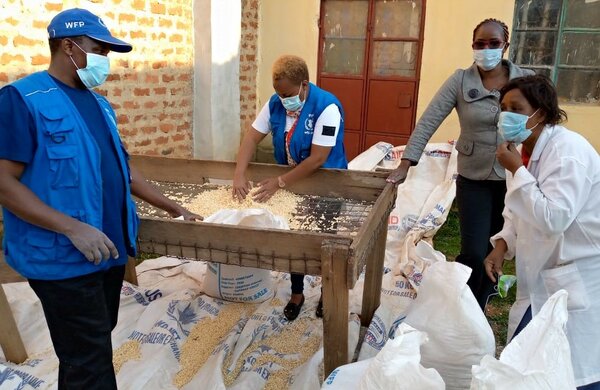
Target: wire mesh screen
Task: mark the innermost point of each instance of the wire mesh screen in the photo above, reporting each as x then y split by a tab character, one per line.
311	213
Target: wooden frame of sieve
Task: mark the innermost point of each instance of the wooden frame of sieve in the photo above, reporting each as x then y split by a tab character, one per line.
339	259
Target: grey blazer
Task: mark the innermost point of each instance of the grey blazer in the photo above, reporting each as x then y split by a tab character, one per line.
478	111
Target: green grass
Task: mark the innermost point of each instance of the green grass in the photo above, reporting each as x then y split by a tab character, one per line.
447	241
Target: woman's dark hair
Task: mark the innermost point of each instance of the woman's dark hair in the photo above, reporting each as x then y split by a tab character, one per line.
492	20
540	93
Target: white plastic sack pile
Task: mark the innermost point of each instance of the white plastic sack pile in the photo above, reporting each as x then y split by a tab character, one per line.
424	199
160	317
398	291
241	284
538	358
459	334
370	158
397	366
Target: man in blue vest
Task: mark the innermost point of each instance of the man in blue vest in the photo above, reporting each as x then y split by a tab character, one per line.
307	125
65	188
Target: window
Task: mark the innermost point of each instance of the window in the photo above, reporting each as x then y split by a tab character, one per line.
560	39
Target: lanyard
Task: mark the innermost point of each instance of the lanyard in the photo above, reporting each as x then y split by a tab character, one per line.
288	139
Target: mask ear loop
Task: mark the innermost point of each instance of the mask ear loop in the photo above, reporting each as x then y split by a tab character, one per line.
73	61
529	117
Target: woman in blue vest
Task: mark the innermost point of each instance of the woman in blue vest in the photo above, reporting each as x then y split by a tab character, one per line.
308	131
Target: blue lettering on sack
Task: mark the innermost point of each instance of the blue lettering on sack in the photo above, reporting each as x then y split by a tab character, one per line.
153	295
376	335
332	376
28	379
151	338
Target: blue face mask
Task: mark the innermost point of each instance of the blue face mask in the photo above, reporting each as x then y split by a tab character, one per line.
487	59
96	71
293	103
513	126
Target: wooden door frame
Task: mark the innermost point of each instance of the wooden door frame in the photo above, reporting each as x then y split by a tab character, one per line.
367	70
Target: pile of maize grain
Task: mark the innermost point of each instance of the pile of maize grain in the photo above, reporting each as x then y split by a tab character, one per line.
282	203
291	342
204	338
130	350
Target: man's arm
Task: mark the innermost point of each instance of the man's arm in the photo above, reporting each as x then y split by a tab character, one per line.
22	202
144	190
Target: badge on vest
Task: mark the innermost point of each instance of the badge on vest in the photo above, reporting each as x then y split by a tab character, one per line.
329	130
309	124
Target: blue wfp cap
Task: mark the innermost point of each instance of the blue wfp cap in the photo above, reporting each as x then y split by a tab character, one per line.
77	22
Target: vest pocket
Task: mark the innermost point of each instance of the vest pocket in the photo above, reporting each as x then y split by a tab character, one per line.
42	244
64	166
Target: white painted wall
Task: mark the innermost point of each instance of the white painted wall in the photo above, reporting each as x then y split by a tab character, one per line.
217	34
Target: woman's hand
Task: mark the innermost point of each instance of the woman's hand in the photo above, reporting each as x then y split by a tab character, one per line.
399	174
493	263
241	187
509	157
266	189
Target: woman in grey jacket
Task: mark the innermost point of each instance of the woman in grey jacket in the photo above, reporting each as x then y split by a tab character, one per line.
480	186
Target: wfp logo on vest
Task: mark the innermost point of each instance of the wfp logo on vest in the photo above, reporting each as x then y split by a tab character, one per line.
309	124
74	24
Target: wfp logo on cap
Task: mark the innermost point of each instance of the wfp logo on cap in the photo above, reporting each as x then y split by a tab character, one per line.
74	24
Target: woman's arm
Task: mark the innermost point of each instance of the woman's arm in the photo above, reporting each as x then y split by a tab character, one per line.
241	186
318	156
438	109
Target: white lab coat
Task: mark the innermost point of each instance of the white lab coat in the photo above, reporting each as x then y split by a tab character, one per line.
552	224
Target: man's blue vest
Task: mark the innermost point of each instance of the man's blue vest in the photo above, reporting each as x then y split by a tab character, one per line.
65	174
300	144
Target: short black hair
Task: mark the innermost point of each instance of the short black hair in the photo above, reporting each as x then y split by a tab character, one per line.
54	43
541	94
500	23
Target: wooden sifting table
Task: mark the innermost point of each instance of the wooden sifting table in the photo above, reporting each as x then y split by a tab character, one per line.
338	254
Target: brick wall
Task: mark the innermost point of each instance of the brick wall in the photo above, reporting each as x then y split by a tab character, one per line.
248	63
150	87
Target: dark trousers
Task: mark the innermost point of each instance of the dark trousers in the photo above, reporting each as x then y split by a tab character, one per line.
523	323
330	209
81	312
297	283
480	204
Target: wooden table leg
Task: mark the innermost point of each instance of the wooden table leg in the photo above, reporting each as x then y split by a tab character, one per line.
334	265
10	339
373	276
130	274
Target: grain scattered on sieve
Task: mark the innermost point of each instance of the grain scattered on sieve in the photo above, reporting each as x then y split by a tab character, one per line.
282	203
129	350
204	338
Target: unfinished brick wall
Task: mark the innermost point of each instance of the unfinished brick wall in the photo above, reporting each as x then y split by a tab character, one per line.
150	87
248	63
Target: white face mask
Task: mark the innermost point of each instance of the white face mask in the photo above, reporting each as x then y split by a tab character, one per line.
96	70
293	103
487	59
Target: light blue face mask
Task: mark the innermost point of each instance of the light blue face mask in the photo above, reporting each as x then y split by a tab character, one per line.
487	59
513	126
96	71
293	103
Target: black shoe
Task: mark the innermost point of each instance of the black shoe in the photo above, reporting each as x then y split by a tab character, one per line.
292	310
319	311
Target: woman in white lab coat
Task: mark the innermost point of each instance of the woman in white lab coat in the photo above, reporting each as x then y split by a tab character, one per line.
551	218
